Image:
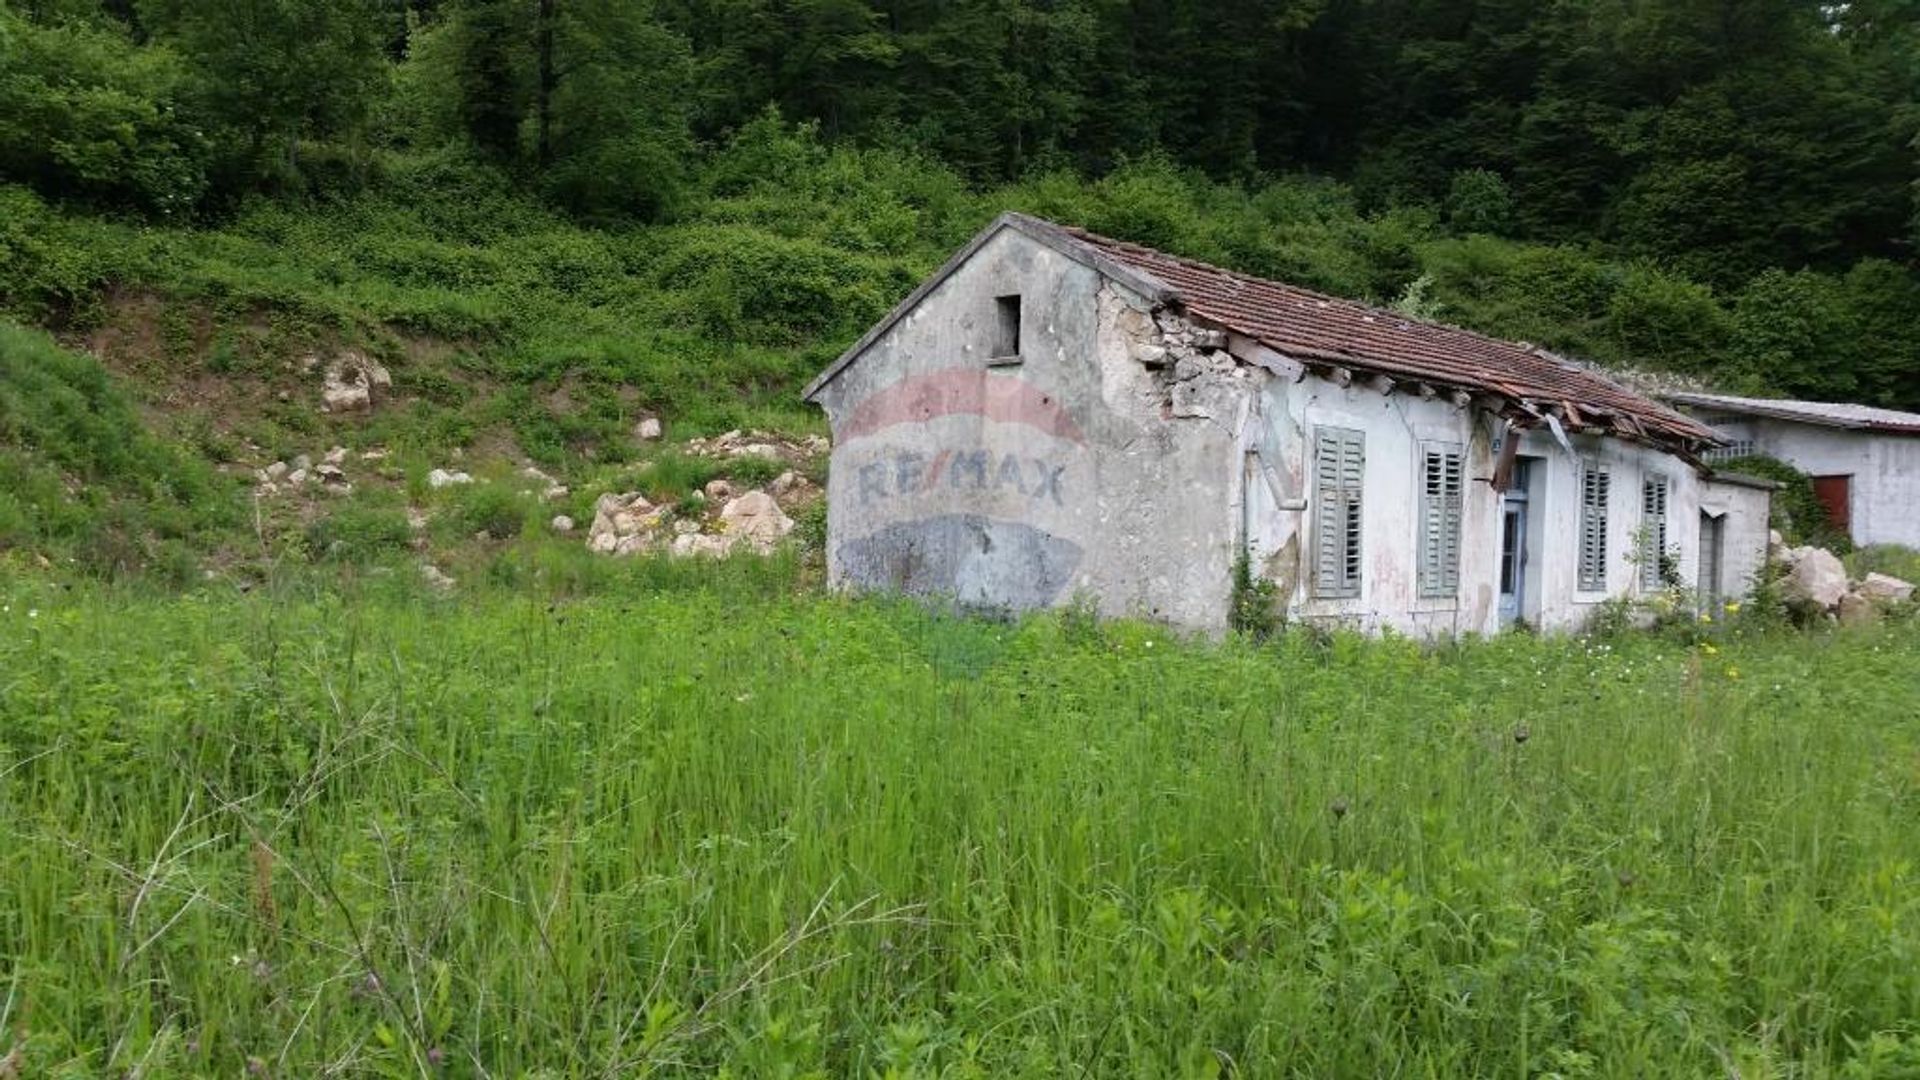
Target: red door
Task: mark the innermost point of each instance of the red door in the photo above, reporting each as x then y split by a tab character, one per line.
1834	493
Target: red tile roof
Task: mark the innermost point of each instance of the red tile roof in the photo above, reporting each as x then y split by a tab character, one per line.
1315	328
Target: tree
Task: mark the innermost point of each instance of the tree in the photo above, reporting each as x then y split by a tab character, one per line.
271	73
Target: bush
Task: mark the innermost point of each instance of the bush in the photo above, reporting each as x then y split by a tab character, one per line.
359	533
492	509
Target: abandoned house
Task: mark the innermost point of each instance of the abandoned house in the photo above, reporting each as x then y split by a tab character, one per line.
1865	462
1055	415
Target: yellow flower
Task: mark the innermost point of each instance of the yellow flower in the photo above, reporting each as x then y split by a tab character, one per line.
1733	607
1708	648
1733	672
1704	617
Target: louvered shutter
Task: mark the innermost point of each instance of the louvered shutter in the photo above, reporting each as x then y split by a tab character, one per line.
1653	530
1442	484
1339	466
1594	487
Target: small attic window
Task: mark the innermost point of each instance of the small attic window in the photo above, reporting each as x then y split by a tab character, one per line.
1006	330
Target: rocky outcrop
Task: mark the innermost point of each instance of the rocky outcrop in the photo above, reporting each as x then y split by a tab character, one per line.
627	524
351	383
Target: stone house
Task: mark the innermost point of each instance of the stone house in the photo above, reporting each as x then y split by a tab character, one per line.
1055	415
1865	462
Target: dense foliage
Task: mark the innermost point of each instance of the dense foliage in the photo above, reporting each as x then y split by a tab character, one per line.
1727	189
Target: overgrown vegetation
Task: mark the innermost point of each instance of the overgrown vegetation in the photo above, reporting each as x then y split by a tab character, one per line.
694	825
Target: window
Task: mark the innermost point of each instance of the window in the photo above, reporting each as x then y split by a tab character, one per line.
1340	458
1594	487
1738	448
1006	330
1653	531
1441	491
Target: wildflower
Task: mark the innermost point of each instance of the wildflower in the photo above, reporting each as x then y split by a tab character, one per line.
1733	607
1733	672
1706	617
1708	648
436	1057
33	613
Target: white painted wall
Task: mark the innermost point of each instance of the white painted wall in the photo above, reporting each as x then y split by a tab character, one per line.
1885	495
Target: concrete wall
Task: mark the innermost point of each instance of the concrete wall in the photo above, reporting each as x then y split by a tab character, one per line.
1743	510
1026	485
1127	458
1885	493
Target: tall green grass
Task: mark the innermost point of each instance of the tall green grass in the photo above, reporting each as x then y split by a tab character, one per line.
727	827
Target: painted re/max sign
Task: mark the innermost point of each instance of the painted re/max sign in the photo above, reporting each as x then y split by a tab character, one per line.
911	472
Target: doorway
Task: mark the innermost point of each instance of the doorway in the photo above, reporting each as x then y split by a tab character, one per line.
1513	543
1836	495
1712	552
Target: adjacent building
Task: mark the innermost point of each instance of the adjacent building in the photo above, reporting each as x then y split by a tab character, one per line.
1057	416
1865	462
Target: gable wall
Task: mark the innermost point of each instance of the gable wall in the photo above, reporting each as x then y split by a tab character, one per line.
1024	486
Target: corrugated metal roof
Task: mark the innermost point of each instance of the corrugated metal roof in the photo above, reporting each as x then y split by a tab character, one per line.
1823	413
1311	326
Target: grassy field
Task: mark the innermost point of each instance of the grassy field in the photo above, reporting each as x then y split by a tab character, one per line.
707	822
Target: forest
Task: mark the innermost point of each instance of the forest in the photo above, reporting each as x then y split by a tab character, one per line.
1729	184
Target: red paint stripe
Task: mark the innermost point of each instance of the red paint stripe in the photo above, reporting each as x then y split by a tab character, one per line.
964	391
939	462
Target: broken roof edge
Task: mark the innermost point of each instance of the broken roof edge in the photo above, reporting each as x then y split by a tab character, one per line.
1155	291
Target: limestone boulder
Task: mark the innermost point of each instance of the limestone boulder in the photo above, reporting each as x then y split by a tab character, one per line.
1886	589
757	520
648	430
1816	580
623	524
1855	609
440	478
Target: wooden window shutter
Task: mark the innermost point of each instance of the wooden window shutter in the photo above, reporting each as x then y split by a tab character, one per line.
1339	456
1595	484
1442	493
1653	530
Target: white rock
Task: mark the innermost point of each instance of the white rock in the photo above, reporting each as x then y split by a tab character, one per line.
1886	588
648	429
561	523
759	450
1857	610
816	444
373	455
436	577
274	471
302	463
330	474
784	483
335	456
757	519
718	490
689	545
416	518
1150	355
557	491
440	478
533	472
1817	579
297	477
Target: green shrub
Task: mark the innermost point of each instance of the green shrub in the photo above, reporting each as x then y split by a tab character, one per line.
494	509
357	533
